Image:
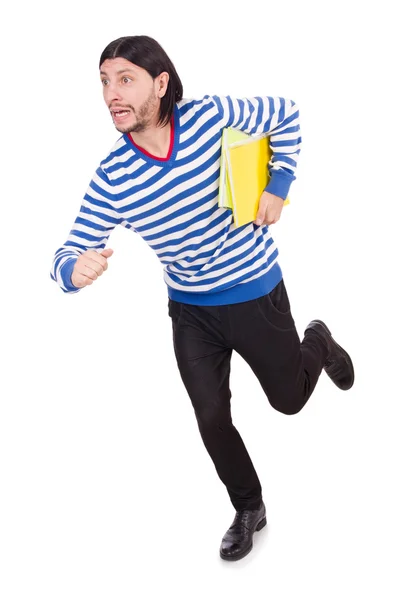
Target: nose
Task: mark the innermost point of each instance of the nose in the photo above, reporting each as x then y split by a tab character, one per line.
111	94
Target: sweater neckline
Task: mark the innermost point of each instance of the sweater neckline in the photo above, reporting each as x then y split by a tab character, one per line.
173	147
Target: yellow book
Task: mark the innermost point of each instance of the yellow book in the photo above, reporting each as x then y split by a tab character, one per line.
243	173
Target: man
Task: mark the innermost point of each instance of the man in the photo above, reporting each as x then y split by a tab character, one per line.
225	286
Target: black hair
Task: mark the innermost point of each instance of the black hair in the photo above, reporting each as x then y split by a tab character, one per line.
146	53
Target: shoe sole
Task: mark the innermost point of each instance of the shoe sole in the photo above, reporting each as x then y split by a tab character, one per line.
260	526
349	360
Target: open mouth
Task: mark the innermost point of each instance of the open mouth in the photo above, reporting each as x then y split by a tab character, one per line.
120	115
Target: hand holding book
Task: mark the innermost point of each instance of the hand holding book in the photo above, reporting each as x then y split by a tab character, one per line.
269	211
244	175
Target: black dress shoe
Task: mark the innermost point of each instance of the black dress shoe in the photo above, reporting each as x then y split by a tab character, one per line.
237	541
338	365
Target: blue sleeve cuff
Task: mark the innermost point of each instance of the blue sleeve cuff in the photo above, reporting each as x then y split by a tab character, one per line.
66	274
280	183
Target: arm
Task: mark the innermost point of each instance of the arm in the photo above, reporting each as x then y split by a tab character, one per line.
96	220
278	117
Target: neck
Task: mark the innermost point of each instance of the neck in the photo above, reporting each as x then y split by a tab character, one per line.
154	140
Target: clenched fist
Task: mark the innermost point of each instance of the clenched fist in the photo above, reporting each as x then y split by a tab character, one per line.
89	266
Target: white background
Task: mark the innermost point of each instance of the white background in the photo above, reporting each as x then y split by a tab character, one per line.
107	491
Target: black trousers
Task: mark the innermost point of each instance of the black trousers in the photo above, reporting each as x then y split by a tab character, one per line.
263	332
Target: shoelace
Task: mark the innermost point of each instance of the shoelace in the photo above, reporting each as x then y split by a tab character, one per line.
242	517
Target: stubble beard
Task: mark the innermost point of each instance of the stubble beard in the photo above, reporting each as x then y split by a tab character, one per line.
143	117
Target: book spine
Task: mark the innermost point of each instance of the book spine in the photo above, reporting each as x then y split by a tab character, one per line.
221	200
229	174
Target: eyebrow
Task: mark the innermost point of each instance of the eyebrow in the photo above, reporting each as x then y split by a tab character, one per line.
118	72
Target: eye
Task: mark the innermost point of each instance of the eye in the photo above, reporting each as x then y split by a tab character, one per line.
103	81
127	78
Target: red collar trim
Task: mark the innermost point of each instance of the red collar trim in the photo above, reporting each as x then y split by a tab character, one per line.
169	149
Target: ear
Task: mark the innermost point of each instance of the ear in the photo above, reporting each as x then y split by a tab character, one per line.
162	83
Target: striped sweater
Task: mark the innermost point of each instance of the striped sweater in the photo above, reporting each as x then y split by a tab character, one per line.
172	202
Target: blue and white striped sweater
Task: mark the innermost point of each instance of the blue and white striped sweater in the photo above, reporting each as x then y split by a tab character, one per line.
172	202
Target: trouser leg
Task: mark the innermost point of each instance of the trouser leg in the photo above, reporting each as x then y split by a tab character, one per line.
203	359
264	334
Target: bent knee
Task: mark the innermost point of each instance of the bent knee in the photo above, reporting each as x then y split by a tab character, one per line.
288	405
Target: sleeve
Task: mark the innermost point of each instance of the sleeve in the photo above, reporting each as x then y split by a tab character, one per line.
278	117
93	225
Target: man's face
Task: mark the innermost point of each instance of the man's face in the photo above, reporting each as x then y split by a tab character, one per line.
130	94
